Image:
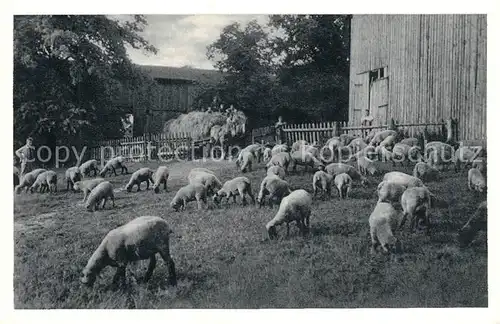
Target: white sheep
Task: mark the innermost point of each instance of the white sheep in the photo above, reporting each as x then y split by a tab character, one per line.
294	207
297	145
465	155
476	222
425	172
380	136
383	153
256	150
368	152
365	165
322	181
345	139
102	192
278	148
305	159
86	186
138	177
416	203
384	221
190	192
388	142
71	176
439	154
403	179
247	159
208	180
277	170
334	143
28	179
412	141
238	186
88	166
476	180
112	165
140	239
45	181
161	176
267	154
343	183
338	168
281	159
390	192
273	186
356	145
402	152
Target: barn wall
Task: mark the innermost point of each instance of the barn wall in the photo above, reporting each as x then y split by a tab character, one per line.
436	66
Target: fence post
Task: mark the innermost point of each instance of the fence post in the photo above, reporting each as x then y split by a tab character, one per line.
392	125
336	129
451	130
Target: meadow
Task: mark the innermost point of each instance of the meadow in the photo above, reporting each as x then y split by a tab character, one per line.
225	260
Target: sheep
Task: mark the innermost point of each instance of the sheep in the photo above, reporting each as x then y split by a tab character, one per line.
297	145
138	177
305	159
356	145
88	166
112	165
322	181
208	180
478	221
383	153
247	159
294	207
412	141
425	172
190	192
388	142
232	188
266	156
161	176
480	165
365	165
101	192
45	181
403	179
278	148
277	170
416	203
273	186
86	186
343	183
16	176
313	150
28	179
464	155
369	151
140	239
384	221
281	159
401	152
71	176
334	143
390	192
441	154
476	180
338	168
345	139
254	149
380	136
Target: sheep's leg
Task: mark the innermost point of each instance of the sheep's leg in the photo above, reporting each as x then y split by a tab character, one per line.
287	229
114	170
120	275
172	276
165	184
198	200
151	267
85	194
413	222
113	200
249	192
104	202
234	199
403	220
375	242
126	170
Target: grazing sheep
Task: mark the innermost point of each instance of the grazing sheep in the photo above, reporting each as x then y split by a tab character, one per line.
390	192
476	180
380	136
28	179
294	207
208	180
273	186
356	145
88	166
439	154
425	172
412	141
477	222
416	203
277	170
383	153
71	176
138	177
343	183
388	142
101	192
45	181
345	139
464	155
365	165
278	148
256	150
322	181
368	151
297	145
16	176
140	239
267	154
338	168
247	159
402	152
281	159
86	186
403	179
480	165
305	159
195	191
384	221
232	188
368	138
334	143
313	150
112	165
161	176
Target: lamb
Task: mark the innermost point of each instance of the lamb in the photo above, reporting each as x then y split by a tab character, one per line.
16	176
86	186
45	181
247	159
101	192
388	142
140	239
357	144
412	141
267	154
338	168
278	148
191	192
476	180
208	180
112	165
294	207
322	181
276	170
380	136
232	188
305	159
390	192
403	179
161	176
297	145
416	203
384	221
138	177
273	186
425	172
365	165
88	166
478	221
343	183
72	175
28	179
281	159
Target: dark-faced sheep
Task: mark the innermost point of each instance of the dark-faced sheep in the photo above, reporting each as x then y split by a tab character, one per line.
138	177
425	172
88	166
294	207
416	203
322	181
160	177
101	193
240	186
45	181
384	221
86	186
273	186
112	165
28	179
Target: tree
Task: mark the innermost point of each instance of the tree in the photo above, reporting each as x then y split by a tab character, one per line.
69	72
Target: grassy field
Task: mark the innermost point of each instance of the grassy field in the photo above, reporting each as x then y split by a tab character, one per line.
224	260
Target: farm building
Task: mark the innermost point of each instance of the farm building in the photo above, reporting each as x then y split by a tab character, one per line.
419	69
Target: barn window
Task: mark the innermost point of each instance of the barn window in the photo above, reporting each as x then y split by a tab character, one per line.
377	74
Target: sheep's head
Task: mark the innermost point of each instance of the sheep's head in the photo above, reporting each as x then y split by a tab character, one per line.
175	204
365	182
271	231
76	185
88	277
217	197
103	172
156	188
128	187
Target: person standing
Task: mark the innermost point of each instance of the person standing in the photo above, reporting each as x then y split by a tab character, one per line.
26	155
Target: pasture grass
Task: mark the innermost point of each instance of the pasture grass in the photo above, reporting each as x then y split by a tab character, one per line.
224	259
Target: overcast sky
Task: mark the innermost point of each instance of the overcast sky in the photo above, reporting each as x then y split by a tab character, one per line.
182	39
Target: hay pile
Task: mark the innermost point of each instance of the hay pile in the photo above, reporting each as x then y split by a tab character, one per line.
199	124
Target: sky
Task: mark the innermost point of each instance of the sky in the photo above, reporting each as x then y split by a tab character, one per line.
182	39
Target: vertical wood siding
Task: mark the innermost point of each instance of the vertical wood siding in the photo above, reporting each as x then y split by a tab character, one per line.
436	66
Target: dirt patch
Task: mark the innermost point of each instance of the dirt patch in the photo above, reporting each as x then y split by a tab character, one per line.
42	221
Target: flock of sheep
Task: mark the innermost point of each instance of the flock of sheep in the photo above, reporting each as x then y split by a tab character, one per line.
144	237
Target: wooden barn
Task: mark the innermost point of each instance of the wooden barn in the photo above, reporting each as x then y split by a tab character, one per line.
419	69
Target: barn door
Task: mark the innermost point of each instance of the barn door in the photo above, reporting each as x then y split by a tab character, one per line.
360	106
379	90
